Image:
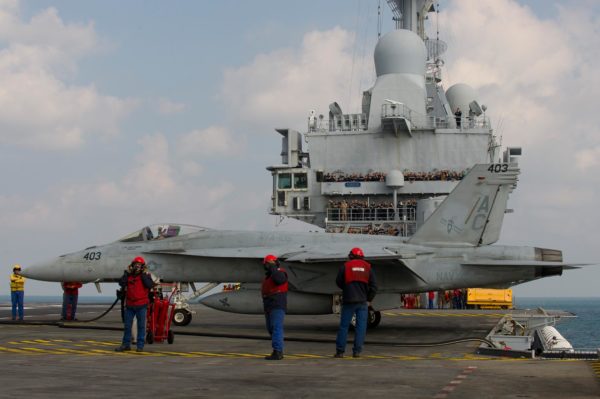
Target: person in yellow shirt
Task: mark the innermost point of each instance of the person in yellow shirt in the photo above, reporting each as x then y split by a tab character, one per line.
17	292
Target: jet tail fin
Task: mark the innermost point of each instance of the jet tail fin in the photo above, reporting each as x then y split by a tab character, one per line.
473	212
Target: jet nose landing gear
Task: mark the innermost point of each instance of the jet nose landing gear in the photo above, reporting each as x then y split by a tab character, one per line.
183	313
182	317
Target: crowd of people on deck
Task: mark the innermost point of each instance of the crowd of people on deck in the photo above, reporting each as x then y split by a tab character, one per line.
341	177
449	299
364	204
410	176
384	229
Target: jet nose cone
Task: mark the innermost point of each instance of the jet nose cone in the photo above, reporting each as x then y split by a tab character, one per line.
49	270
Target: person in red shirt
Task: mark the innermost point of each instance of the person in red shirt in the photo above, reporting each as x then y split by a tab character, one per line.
70	296
136	281
431	297
274	293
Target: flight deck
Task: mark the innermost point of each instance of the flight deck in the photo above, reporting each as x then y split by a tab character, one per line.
221	355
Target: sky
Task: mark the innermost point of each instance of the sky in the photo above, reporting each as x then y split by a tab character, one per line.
115	115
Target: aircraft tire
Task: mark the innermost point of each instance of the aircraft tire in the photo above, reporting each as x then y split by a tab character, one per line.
170	337
374	318
182	317
150	337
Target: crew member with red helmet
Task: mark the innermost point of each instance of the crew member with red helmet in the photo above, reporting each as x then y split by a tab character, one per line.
136	281
357	281
70	296
274	293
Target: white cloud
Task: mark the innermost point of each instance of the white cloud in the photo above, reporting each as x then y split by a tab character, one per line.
282	86
191	168
38	109
153	189
168	107
588	159
538	78
212	141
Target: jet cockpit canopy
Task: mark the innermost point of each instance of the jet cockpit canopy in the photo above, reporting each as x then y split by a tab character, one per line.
161	232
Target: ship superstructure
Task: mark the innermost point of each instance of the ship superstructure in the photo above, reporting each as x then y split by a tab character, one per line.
385	169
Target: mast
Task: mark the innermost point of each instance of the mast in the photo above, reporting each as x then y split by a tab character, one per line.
411	14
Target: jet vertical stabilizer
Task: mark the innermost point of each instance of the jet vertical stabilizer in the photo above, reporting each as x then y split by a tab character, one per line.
473	212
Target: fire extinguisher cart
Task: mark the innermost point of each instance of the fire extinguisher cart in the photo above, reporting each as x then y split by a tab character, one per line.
158	320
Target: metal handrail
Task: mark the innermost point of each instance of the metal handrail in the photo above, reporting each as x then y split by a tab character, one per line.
405	214
420	121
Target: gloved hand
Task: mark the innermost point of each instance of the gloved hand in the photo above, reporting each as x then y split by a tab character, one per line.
121	294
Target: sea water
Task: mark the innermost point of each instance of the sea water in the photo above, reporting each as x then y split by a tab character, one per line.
583	331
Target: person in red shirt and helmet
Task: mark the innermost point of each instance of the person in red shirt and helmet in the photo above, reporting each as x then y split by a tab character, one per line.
136	281
70	296
357	281
274	293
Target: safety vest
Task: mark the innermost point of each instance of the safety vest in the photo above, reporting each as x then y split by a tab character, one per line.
17	283
270	288
137	293
357	270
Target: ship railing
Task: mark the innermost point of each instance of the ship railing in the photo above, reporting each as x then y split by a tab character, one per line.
420	121
338	123
371	214
392	228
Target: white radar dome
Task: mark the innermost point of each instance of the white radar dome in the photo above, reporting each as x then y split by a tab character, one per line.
394	179
400	51
460	96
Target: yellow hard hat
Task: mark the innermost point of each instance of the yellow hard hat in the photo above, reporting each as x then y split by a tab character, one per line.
17	267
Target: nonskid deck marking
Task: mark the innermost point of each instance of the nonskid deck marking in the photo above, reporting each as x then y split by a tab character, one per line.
25	347
596	368
97	348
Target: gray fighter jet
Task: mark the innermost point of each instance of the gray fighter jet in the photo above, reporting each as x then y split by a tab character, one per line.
450	250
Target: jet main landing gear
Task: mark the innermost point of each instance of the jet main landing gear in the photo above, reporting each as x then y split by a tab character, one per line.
374	318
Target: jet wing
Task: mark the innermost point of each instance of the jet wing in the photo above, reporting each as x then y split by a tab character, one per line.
247	252
523	263
285	254
314	257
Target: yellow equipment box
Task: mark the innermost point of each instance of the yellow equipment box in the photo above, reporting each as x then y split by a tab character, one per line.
488	298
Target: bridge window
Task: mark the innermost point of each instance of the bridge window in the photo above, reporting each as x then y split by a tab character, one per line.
300	181
284	181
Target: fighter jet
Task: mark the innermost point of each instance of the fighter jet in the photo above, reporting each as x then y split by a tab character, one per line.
452	249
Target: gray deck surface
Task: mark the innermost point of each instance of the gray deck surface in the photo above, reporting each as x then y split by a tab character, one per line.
42	361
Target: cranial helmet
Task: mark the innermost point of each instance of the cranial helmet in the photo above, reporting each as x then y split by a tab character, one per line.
356	253
139	259
269	259
17	267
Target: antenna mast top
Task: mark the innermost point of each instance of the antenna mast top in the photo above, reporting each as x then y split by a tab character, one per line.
411	14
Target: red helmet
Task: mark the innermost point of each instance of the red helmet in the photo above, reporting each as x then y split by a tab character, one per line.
356	253
270	258
139	259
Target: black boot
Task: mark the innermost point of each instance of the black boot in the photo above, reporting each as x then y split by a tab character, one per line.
276	355
339	353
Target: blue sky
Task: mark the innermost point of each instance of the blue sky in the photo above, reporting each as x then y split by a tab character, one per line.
117	114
